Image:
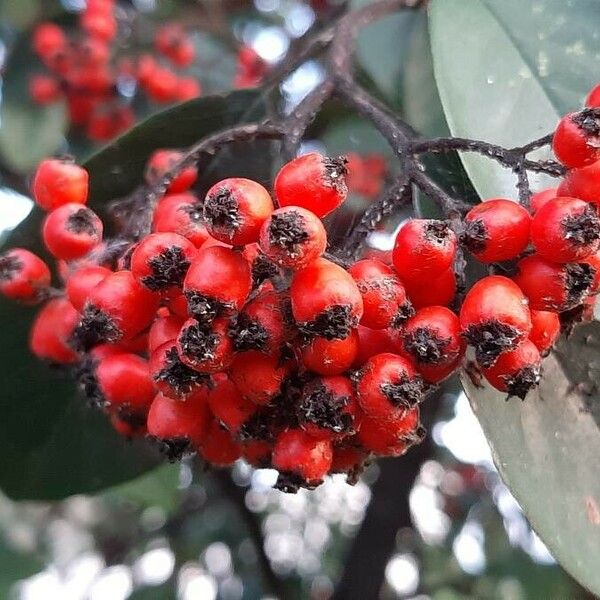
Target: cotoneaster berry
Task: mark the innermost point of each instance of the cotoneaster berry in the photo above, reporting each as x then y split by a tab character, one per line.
161	162
205	347
228	405
576	141
57	182
181	214
545	329
331	357
540	198
82	281
23	275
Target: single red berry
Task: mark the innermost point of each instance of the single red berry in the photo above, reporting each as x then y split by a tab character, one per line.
80	107
331	357
93	52
582	183
162	87
517	371
432	340
145	69
182	214
205	347
136	345
552	286
165	328
163	161
540	198
218	448
566	230
375	341
172	41
293	237
576	141
229	406
593	97
259	376
72	231
325	300
301	459
81	282
436	291
57	182
178	306
188	88
545	330
52	330
388	386
218	281
257	453
44	89
424	249
494	317
99	25
23	275
179	426
235	209
47	39
314	182
496	230
386	303
348	459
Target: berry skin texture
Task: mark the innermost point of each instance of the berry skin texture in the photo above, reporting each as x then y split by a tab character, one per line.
161	260
390	437
162	161
545	330
52	330
71	231
57	182
235	209
566	230
424	248
432	341
386	303
494	317
293	237
165	328
517	371
331	357
438	291
314	182
496	230
582	183
325	300
182	214
388	386
81	282
218	280
576	141
218	448
301	459
375	341
23	275
540	198
229	406
206	348
552	286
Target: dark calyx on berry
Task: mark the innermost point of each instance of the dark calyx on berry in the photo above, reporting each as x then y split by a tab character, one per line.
174	449
85	375
287	231
198	342
168	269
405	311
95	327
221	210
82	221
416	436
406	392
263	269
336	171
202	307
247	334
578	280
521	382
323	408
259	426
10	266
490	340
474	236
588	120
426	346
180	378
290	482
582	229
134	418
437	231
334	323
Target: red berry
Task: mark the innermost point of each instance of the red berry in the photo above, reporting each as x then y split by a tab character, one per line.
594	262
99	25
162	86
348	459
218	448
517	371
23	275
437	291
44	89
545	330
582	183
217	281
205	347
293	237
229	406
52	330
552	286
385	300
330	357
540	198
82	281
257	453
235	209
172	41
593	98
423	249
494	317
48	38
496	230
432	340
566	230
163	161
165	328
188	88
325	300
375	341
388	386
314	182
57	182
576	141
128	428
182	214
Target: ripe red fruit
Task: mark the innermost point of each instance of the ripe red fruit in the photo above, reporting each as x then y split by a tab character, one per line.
229	406
348	459
257	453
72	231
432	340
375	341
331	357
165	328
162	86
188	88
424	248
388	386
576	141
517	371
163	161
57	182
205	347
161	261
540	198
82	281
312	181
44	89
47	39
566	230
179	426
182	214
593	98
52	330
594	262
437	291
552	286
217	281
293	237
494	317
545	330
172	41
496	230
386	303
23	275
99	25
218	448
235	209
325	300
582	183
302	460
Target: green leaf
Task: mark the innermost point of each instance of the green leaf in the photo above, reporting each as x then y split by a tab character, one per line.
52	444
